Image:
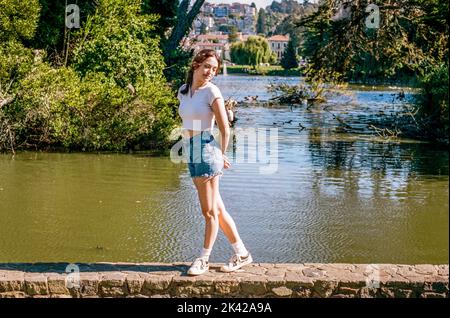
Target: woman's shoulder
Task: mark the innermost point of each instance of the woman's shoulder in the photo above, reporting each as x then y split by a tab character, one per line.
211	85
213	88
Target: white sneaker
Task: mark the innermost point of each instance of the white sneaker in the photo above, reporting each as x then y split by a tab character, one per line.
198	267
236	262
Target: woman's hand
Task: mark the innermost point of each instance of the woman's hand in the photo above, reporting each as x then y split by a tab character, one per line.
226	162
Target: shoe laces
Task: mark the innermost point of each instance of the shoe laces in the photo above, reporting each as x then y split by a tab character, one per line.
199	263
235	259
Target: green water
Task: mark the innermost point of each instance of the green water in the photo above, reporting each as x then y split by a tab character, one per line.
334	197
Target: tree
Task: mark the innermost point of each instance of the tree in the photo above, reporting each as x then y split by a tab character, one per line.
289	58
433	103
15	29
411	38
285	6
116	43
184	19
410	45
223	28
233	36
175	57
203	29
261	24
165	9
18	19
52	35
111	95
252	52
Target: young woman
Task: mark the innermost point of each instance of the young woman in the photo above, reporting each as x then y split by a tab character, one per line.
201	104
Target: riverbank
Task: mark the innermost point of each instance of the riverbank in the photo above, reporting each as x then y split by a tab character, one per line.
272	70
156	280
277	70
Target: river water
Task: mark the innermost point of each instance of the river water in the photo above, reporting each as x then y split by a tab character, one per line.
333	193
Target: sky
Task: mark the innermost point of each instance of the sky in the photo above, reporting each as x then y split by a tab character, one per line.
259	3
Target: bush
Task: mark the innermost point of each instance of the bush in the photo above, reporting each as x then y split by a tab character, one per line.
112	96
432	103
289	58
15	62
55	108
43	110
18	19
116	43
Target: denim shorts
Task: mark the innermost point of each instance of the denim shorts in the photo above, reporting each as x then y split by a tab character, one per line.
203	155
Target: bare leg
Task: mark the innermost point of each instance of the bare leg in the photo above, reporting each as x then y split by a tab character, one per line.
207	190
226	222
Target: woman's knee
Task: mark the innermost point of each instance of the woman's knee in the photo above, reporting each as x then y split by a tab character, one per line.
212	213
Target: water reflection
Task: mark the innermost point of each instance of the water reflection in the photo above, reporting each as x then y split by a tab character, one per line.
336	196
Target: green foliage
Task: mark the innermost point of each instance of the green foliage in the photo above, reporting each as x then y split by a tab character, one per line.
289	58
178	62
56	108
44	106
111	96
273	19
288	23
285	6
165	9
18	19
233	36
281	18
115	43
272	70
261	24
433	103
409	41
254	51
175	57
203	29
15	62
51	33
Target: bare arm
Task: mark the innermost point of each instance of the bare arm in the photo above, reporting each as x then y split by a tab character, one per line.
220	112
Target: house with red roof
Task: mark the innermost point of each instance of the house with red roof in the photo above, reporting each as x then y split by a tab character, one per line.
278	44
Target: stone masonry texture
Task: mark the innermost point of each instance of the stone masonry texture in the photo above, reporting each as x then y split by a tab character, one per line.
147	280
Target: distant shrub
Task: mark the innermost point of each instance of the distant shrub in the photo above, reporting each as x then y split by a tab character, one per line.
432	103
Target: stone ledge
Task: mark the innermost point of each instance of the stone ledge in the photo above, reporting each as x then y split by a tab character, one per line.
147	280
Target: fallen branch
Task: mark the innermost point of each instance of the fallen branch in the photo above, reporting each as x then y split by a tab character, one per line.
340	120
7	101
386	133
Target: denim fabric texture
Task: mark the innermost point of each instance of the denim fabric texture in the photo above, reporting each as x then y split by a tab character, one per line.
203	155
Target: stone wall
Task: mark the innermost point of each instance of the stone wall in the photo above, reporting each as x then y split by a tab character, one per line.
63	280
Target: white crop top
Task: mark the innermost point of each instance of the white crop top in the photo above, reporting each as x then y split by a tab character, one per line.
196	111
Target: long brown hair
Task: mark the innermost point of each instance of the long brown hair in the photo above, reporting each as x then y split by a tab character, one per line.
196	61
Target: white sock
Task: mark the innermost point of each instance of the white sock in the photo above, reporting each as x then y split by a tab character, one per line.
205	253
239	248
